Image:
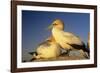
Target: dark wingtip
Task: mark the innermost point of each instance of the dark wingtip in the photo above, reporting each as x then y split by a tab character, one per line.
33	59
31	53
83	47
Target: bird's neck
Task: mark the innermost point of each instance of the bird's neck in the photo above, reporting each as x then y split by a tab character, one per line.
56	33
57	29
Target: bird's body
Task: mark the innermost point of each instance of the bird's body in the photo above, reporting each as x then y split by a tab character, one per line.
88	44
48	49
66	40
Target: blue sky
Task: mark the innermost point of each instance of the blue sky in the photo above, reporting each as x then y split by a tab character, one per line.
35	23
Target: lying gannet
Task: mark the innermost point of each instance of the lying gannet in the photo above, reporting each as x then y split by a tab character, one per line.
47	49
66	40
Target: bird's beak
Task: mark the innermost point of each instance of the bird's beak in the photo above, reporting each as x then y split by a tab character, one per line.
50	27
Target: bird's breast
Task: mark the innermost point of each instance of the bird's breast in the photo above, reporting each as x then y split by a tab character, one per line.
58	35
61	39
65	37
49	51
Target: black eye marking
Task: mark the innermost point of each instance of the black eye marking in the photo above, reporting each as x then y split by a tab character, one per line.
54	24
49	40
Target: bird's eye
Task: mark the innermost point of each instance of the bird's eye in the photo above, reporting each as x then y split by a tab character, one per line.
49	40
54	24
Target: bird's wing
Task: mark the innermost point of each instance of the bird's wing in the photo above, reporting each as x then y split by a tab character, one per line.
76	42
45	43
31	53
73	39
68	34
80	47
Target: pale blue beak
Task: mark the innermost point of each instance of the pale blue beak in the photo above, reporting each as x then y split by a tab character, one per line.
50	27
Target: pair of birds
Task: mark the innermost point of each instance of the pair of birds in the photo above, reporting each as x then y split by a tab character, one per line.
51	47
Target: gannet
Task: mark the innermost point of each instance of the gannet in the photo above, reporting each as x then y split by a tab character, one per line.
88	44
66	40
47	49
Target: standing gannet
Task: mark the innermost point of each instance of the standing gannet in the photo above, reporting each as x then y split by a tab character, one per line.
47	49
66	40
88	44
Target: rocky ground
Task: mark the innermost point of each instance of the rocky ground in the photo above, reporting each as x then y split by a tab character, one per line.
60	58
73	55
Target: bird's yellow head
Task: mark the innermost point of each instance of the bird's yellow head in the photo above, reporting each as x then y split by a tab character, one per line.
57	24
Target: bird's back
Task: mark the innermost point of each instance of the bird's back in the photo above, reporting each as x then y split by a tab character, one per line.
47	50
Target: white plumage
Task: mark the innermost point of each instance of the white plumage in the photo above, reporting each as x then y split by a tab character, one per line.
65	39
48	49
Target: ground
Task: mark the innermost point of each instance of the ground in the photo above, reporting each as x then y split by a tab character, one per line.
74	55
